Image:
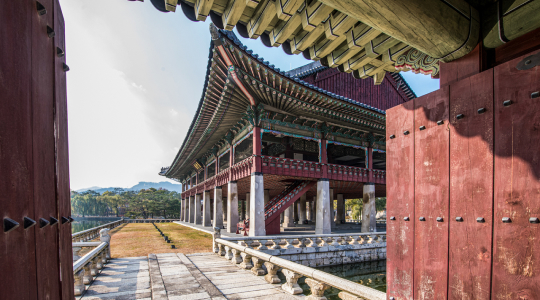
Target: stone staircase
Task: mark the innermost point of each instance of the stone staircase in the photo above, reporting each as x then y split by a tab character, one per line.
277	205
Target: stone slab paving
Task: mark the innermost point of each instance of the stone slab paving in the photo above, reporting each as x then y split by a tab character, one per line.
175	276
121	278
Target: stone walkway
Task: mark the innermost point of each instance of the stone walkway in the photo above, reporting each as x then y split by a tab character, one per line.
177	277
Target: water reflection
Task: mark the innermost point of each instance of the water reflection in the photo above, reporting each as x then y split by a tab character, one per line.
371	274
81	224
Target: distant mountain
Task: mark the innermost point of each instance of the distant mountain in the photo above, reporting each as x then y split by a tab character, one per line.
139	186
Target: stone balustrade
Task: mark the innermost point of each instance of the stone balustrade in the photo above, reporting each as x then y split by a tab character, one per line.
92	233
320	249
150	220
88	266
246	257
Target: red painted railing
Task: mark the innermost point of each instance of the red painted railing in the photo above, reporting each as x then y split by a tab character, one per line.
301	168
289	167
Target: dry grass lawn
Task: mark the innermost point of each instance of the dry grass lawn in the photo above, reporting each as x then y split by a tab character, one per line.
140	239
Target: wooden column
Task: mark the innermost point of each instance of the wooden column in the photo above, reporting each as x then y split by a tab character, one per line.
257	164
369	163
323	158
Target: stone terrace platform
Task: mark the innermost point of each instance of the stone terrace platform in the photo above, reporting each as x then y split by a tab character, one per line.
178	276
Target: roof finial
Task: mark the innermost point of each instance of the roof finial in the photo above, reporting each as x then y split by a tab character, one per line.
214	32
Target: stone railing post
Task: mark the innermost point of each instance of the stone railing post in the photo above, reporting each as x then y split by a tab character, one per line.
93	267
87	279
291	286
228	253
79	284
246	262
257	266
104	237
317	289
76	255
271	277
237	258
216	235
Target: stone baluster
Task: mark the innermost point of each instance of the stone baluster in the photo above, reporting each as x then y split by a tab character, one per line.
291	286
312	242
237	258
222	251
317	289
257	266
104	256
79	284
87	279
246	262
216	235
228	253
301	242
93	267
99	261
104	237
76	255
272	269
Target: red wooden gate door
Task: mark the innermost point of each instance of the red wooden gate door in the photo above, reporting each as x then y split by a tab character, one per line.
516	241
400	201
471	187
431	195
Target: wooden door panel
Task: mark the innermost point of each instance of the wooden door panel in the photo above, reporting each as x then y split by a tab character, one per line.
471	187
431	195
43	145
62	159
17	247
516	259
400	201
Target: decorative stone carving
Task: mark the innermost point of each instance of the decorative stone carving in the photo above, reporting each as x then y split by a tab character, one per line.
257	266
291	286
216	235
221	250
79	284
99	261
317	289
271	277
246	262
418	62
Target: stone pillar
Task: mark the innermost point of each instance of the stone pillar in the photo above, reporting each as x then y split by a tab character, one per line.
266	196
340	215
218	207
323	210
369	211
206	209
192	209
295	211
288	221
248	202
314	209
232	207
257	226
181	209
302	209
332	215
198	217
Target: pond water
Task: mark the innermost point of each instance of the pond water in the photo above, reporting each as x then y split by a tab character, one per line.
81	224
371	274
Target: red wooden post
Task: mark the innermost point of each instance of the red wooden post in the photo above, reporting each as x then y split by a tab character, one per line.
369	159
231	162
257	165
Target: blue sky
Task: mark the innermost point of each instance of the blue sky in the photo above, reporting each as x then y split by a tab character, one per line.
135	82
